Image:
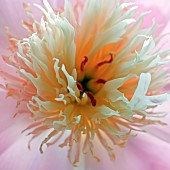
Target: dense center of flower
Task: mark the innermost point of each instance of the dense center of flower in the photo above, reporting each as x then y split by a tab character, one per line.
84	88
87	84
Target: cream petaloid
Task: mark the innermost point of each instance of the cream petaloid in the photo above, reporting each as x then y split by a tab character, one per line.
89	68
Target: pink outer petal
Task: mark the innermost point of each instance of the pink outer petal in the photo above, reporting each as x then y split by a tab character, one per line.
161	14
56	4
18	157
145	152
60	3
8	109
160	18
3	40
14	154
10	128
12	13
160	11
54	158
152	152
162	132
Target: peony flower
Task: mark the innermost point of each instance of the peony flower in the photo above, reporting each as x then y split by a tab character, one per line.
84	78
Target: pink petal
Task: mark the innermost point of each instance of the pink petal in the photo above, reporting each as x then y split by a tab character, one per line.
14	153
10	128
53	158
159	131
12	13
17	156
152	152
8	109
3	40
161	16
145	152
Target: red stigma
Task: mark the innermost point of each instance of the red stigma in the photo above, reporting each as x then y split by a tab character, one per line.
83	63
101	81
79	86
91	96
105	62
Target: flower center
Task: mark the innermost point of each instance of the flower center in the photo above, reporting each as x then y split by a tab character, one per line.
84	88
85	84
